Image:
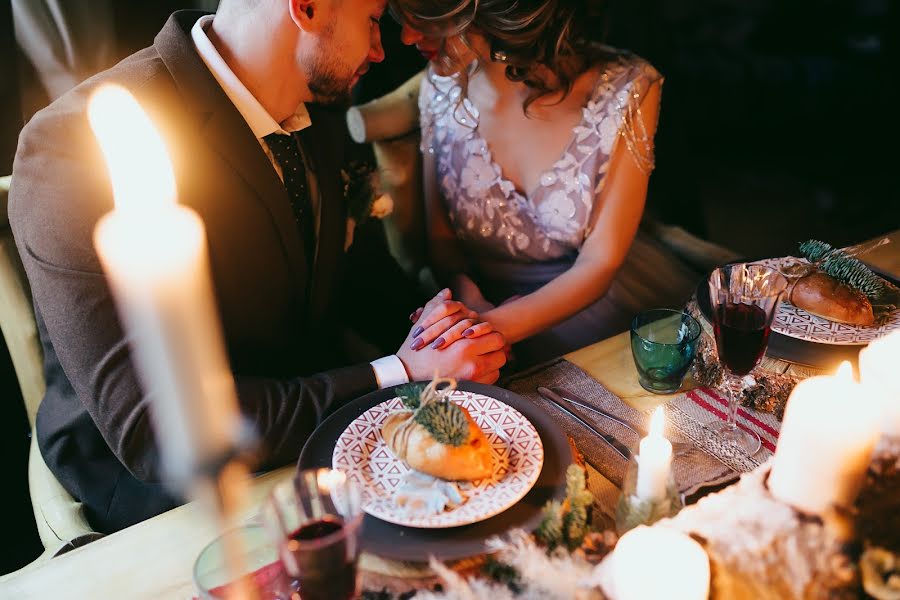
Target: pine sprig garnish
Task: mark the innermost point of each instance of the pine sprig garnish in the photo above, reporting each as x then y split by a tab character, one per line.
503	573
445	421
410	395
845	268
815	250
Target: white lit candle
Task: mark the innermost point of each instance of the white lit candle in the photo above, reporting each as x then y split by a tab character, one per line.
155	258
656	562
878	372
654	461
829	430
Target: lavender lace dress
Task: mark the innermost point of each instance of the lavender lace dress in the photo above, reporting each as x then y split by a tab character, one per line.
516	244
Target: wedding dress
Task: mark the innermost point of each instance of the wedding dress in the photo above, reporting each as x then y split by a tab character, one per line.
516	243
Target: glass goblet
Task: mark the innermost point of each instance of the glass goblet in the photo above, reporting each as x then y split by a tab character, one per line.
316	519
744	298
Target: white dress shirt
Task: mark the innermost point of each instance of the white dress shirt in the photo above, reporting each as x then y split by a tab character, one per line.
389	370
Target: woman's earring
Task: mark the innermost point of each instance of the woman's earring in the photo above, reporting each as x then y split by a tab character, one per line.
499	56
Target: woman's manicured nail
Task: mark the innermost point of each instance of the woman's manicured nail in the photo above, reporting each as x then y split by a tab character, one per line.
438	343
412	316
417	344
468	332
418	330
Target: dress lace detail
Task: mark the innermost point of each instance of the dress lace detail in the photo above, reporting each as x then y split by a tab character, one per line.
491	217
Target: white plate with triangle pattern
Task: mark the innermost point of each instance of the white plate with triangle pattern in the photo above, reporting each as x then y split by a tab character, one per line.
364	456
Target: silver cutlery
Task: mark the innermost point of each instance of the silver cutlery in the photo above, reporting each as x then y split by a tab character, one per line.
623	450
679	448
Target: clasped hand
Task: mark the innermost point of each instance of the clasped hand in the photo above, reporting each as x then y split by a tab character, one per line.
452	340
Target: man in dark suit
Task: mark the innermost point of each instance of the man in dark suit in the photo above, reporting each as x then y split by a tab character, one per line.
240	101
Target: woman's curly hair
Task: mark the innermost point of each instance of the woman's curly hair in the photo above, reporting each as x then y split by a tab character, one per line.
563	36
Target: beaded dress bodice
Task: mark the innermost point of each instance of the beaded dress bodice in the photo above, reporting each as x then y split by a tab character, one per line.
490	216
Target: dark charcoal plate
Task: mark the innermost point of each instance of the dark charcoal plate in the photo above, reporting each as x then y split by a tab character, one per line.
405	543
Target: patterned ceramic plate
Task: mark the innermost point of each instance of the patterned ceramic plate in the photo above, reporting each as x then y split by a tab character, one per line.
362	453
797	323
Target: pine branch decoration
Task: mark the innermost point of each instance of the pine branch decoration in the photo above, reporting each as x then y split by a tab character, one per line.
550	531
410	395
566	523
445	421
844	268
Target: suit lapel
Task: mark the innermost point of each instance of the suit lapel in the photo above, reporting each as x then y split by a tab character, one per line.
226	133
322	144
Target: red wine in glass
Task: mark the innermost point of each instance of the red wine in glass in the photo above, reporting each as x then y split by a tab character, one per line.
742	333
323	567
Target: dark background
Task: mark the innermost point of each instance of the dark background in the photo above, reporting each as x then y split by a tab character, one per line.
778	124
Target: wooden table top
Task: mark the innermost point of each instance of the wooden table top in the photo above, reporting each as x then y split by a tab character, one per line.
153	559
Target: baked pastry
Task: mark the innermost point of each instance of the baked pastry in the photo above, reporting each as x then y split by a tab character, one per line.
438	437
826	297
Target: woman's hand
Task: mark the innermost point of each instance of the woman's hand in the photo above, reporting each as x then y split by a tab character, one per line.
444	321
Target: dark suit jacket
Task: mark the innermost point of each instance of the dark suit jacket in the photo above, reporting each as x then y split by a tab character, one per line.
93	426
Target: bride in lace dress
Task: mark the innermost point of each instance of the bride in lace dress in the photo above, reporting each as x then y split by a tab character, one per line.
538	146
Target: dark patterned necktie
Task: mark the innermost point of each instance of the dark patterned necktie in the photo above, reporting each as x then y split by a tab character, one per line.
286	152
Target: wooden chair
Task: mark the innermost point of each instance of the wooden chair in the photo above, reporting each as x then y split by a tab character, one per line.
60	518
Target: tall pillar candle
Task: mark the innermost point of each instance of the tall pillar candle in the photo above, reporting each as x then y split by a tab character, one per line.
154	254
829	430
654	461
878	372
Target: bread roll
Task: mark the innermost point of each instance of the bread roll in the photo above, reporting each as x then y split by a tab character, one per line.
826	297
413	444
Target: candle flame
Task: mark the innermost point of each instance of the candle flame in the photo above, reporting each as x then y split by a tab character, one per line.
845	371
330	479
658	422
139	166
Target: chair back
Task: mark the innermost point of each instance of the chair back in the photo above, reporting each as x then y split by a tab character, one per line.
17	315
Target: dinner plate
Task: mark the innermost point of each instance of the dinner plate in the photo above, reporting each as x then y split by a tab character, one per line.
797	323
819	355
398	542
518	453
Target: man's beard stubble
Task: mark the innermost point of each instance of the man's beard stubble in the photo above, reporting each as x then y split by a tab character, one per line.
324	82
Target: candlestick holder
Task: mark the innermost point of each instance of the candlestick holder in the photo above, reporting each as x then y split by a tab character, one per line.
632	509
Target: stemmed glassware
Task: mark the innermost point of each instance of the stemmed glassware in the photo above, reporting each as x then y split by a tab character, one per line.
744	298
316	519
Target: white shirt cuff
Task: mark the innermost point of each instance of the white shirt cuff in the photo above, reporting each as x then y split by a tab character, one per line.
389	371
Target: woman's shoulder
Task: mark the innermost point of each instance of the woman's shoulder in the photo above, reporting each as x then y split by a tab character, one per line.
437	93
621	67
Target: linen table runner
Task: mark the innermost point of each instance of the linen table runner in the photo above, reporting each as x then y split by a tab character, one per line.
688	415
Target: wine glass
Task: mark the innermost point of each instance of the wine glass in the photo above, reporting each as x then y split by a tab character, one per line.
316	519
744	298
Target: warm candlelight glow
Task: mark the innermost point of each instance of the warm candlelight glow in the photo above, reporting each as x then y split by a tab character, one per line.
657	422
654	461
139	166
657	562
878	365
154	254
830	427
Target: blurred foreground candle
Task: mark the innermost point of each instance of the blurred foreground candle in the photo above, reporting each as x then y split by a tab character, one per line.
155	258
829	430
654	461
657	562
879	372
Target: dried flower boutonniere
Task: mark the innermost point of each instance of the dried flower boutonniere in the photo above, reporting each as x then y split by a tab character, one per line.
362	191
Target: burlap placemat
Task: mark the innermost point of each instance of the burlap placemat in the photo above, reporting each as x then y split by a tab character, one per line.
693	470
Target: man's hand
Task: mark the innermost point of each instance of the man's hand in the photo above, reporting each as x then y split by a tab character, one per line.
477	353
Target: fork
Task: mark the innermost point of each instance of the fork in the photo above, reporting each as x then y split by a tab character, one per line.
679	448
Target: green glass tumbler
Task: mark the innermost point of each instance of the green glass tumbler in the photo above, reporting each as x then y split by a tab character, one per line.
663	343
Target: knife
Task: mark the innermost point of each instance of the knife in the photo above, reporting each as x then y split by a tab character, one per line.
616	445
571	398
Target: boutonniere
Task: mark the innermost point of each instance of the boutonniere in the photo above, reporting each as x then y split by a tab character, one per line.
362	192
